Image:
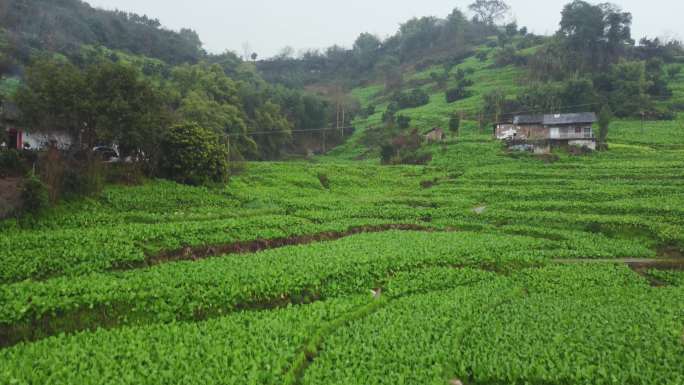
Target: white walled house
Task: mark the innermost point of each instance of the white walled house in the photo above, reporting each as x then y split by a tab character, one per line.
21	139
540	133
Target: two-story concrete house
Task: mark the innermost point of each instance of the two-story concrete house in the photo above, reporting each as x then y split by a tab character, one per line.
540	133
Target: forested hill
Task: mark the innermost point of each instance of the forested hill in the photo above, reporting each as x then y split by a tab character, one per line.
63	26
420	41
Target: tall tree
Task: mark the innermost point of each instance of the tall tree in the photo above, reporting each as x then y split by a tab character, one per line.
604	119
366	49
489	11
594	35
107	102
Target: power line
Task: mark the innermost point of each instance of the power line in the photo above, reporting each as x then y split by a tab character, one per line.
477	110
291	131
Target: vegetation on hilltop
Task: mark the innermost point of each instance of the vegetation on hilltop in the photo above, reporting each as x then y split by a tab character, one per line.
63	26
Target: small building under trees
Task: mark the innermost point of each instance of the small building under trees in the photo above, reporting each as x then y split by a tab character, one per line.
20	139
435	135
541	133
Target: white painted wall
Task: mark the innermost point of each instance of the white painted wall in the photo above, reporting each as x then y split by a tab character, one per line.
39	141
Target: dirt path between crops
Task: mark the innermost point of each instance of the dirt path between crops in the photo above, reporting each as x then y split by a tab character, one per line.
254	246
640	266
10	195
634	263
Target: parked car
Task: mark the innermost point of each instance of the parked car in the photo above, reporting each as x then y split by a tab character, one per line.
106	154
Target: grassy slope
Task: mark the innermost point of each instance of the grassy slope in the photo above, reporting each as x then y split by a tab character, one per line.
486	78
437	112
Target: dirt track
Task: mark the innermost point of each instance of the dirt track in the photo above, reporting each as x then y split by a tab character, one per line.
10	193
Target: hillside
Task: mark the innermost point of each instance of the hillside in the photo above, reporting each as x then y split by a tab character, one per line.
64	26
455	262
511	81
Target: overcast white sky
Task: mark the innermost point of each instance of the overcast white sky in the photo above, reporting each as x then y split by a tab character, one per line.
270	25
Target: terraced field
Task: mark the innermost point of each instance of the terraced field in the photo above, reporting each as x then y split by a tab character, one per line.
482	268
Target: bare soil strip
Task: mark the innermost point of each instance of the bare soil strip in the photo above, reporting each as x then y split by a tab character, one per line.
634	263
640	266
254	246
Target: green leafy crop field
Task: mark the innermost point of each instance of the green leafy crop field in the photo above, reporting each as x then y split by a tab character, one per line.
481	267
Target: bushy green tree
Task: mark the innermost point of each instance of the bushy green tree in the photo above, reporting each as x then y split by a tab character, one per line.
34	196
628	86
273	130
194	155
107	102
594	35
412	99
52	97
604	119
403	122
366	50
489	11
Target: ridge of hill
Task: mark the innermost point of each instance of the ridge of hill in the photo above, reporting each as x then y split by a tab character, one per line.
63	26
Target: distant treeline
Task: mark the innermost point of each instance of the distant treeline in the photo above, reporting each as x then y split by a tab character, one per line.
65	25
425	39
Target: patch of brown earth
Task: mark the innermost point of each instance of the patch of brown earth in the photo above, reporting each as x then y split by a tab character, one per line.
253	246
10	196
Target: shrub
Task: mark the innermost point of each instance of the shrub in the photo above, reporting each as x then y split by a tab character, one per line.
194	155
388	115
403	122
386	153
413	157
125	173
454	123
674	71
440	78
324	180
10	162
662	113
34	196
415	98
457	93
508	56
82	180
482	56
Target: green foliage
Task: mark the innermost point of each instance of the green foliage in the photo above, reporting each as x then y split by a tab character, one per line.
457	93
34	196
415	98
628	86
455	123
86	180
604	119
489	11
64	26
10	161
194	155
594	36
403	122
387	152
106	102
268	119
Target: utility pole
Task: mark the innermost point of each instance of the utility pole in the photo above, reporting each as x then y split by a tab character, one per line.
480	121
325	145
343	122
337	111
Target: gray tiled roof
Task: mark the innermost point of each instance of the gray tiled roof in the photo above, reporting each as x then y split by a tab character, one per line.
582	117
528	119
